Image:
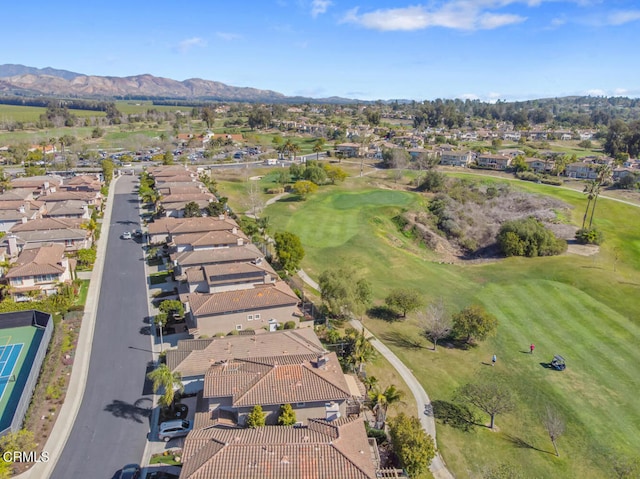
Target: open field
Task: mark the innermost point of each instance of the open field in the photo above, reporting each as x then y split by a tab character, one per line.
31	114
584	308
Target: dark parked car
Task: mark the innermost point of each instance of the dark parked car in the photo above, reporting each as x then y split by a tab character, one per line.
130	471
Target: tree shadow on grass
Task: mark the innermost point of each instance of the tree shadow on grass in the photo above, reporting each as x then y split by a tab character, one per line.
522	444
138	411
383	312
458	416
403	340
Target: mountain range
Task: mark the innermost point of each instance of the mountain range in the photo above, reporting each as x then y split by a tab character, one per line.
29	81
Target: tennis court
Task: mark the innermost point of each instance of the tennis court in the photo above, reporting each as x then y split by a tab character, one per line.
9	354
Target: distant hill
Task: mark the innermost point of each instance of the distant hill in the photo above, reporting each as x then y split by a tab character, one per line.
23	80
11	70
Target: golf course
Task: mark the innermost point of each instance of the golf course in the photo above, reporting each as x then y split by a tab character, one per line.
583	307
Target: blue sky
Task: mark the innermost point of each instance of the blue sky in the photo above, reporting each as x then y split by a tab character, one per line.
379	49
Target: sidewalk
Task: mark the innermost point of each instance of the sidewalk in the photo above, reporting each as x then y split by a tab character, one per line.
438	467
69	410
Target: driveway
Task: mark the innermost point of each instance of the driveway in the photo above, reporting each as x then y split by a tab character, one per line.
111	427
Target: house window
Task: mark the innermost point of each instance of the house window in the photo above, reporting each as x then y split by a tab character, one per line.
238	327
68	242
16	281
299	404
256	317
249	317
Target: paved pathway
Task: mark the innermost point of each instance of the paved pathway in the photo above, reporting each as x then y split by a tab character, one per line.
438	467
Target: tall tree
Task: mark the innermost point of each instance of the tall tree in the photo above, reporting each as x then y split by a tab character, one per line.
490	396
413	446
191	210
437	325
404	300
166	380
381	401
289	250
318	146
343	293
256	418
604	173
287	415
474	323
208	116
554	424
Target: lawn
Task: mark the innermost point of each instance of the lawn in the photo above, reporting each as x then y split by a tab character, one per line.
31	114
571	305
82	294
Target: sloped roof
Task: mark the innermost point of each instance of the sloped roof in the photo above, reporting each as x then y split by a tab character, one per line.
68	207
277	380
63	195
280	452
246	252
45	224
191	225
208	238
193	357
258	297
37	261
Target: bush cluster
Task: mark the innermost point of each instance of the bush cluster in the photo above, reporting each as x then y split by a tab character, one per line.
529	237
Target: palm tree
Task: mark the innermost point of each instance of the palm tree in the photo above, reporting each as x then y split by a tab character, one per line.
370	382
590	190
295	149
381	400
318	146
604	172
362	350
287	147
167	380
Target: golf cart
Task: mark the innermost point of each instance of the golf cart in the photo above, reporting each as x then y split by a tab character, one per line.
558	363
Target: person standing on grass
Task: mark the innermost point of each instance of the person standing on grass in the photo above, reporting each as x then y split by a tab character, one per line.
531	348
493	360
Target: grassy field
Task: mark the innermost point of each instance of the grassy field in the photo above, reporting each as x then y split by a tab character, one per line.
31	114
571	305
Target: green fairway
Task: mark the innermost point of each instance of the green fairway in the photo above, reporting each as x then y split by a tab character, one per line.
583	308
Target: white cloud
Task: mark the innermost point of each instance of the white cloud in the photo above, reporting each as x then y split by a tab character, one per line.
596	92
318	7
228	36
469	96
620	91
186	45
621	17
456	14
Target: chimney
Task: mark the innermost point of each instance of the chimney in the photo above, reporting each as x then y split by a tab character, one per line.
21	209
45	185
24	219
13	246
234	230
240	241
221	217
322	361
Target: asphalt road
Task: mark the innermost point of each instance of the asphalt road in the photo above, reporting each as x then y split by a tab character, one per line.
113	421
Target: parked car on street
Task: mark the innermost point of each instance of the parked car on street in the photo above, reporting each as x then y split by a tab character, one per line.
130	471
126	235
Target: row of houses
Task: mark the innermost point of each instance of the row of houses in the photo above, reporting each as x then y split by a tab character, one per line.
226	284
224	281
178	186
45	223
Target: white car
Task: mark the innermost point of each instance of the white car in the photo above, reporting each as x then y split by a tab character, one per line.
175	428
126	235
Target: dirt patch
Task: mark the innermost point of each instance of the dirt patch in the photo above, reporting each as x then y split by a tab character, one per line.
583	249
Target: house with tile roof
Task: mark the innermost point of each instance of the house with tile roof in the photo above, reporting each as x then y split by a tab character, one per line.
207	240
162	229
321	450
188	259
82	183
314	385
456	158
90	198
65	231
67	209
39	269
261	306
13	212
173	204
192	358
229	276
493	162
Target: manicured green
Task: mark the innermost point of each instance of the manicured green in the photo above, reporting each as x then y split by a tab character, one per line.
572	305
31	114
